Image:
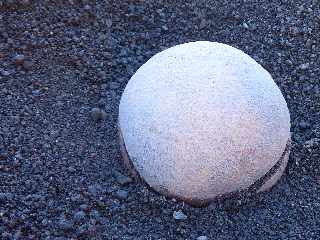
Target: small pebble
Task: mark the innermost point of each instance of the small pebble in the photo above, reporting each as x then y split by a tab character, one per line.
65	225
5	73
245	25
19	59
179	215
98	114
121	179
27	65
6	197
114	85
25	2
312	143
79	216
304	125
6	235
3	156
94	214
87	7
101	103
81	230
84	207
202	238
122	194
304	66
309	43
94	190
71	169
103	87
36	93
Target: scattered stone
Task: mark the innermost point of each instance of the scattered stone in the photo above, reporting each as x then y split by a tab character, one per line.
202	238
245	25
103	87
101	103
309	43
304	125
122	194
94	214
87	7
44	222
84	207
71	169
121	179
3	156
179	215
79	216
27	65
114	85
304	66
36	93
65	225
25	2
94	190
98	114
19	59
6	236
6	197
312	143
5	73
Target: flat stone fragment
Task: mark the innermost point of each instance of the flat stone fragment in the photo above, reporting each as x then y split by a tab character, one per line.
179	215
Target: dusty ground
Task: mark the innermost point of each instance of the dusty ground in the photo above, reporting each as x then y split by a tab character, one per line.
60	176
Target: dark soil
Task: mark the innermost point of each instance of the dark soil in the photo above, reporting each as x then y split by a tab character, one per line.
63	67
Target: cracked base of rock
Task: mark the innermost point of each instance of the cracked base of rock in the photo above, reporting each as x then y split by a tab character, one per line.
267	185
202	120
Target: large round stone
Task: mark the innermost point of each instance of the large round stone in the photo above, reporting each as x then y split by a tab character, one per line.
202	120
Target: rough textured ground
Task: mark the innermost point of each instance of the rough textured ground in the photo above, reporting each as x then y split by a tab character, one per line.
60	61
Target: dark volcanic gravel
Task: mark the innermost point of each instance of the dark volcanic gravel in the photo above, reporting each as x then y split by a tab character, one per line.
63	67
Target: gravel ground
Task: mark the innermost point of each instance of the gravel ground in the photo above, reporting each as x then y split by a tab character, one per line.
63	67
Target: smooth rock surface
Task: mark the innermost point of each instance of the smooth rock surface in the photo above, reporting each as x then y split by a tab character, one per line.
203	119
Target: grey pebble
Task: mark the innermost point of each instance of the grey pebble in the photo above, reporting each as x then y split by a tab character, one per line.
5	73
6	236
114	85
304	125
84	207
95	190
79	216
81	230
245	25
19	59
6	197
98	114
122	194
304	66
102	75
121	179
71	169
94	214
25	2
87	7
36	93
102	103
202	238
65	225
27	64
103	87
179	215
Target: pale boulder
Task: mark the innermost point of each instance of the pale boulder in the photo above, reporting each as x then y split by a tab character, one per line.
202	120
